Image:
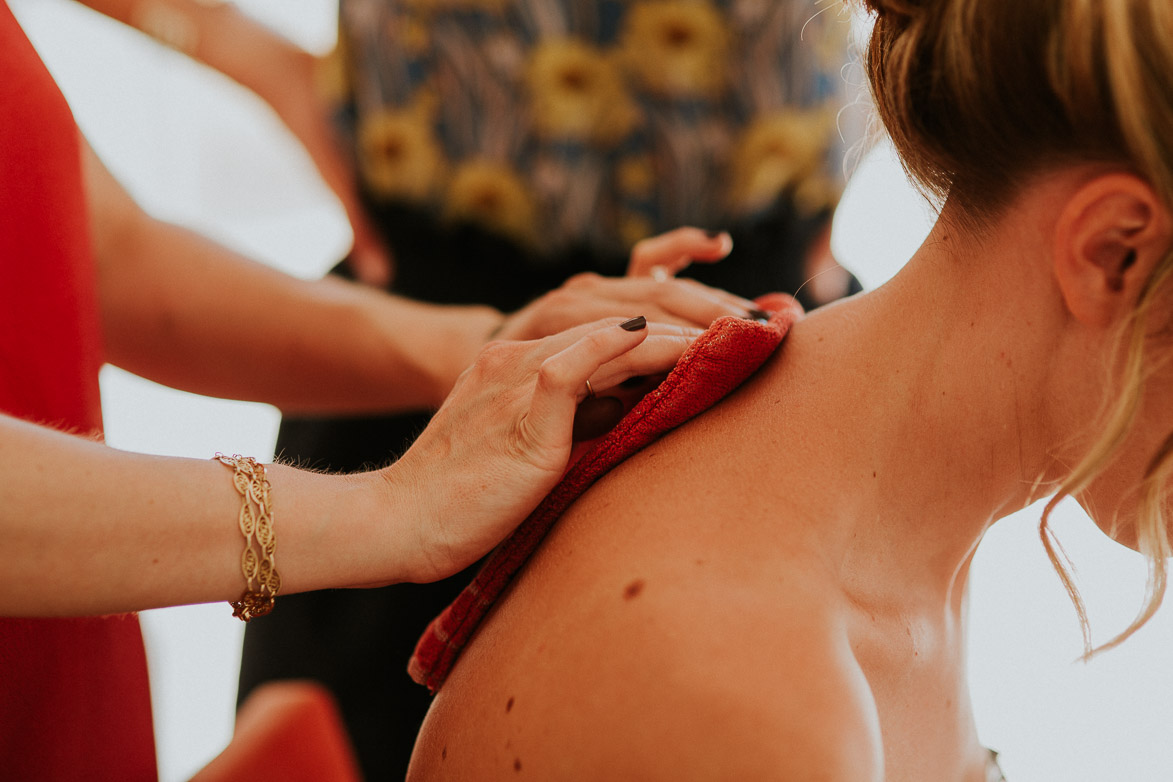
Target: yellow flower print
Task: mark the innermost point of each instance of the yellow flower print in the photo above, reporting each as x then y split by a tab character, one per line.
635	176
493	196
676	48
775	152
410	34
634	227
398	155
577	93
815	194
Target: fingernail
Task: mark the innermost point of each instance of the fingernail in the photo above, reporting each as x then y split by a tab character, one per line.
713	234
635	324
756	314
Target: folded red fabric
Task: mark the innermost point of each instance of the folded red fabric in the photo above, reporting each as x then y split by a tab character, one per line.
718	362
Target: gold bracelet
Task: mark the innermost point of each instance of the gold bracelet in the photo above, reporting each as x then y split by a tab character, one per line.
256	523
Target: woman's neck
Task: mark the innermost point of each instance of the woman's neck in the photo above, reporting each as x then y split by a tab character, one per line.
924	411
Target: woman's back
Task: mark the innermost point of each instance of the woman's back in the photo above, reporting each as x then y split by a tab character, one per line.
698	613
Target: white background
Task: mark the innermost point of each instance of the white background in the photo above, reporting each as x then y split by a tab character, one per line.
196	149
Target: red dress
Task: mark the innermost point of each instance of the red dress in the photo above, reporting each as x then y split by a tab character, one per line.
74	702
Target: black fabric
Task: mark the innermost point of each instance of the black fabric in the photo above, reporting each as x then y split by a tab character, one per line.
358	642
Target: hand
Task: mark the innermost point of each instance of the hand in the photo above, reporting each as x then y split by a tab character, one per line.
304	90
369	260
670	253
503	438
588	297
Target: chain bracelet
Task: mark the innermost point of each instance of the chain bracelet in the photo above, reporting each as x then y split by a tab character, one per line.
257	561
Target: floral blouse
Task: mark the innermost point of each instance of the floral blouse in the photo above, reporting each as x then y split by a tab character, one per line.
596	122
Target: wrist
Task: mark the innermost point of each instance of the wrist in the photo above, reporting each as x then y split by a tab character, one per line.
406	509
347	531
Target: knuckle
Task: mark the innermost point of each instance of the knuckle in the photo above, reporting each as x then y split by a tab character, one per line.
552	374
598	339
494	356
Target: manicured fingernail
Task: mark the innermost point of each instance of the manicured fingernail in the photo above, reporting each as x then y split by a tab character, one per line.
635	324
713	234
756	314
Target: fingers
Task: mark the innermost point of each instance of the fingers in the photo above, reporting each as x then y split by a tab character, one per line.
371	264
655	356
673	301
589	297
562	377
504	436
670	253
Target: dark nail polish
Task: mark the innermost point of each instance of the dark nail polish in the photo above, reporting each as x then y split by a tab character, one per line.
713	234
635	324
757	315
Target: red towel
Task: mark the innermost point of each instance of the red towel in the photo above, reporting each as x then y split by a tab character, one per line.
718	362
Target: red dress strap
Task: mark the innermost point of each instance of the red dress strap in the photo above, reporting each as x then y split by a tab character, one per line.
74	700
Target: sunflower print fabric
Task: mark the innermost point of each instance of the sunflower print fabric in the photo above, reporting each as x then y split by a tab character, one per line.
596	122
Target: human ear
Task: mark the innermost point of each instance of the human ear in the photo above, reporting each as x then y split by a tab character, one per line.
1110	235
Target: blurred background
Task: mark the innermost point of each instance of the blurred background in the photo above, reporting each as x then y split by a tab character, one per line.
196	149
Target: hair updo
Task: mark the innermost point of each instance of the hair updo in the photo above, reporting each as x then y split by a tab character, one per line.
978	95
898	8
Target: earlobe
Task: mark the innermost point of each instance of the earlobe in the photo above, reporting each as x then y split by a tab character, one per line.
1109	236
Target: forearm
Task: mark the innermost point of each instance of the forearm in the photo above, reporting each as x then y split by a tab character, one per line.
186	312
87	529
182	310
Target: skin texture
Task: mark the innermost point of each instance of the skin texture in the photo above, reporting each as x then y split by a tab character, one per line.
777	589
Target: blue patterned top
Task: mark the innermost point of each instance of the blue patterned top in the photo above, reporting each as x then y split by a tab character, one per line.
596	122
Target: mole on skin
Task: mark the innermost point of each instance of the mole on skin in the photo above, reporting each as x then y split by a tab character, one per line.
633	589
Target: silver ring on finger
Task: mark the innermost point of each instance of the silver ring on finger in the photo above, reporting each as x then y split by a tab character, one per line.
660	273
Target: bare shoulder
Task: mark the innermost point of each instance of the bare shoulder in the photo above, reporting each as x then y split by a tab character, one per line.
674	625
681	682
744	701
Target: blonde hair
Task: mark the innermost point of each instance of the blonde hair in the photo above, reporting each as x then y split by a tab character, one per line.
976	96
